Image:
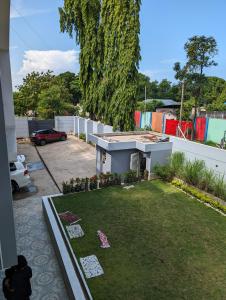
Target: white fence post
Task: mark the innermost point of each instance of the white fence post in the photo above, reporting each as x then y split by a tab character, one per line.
76	125
88	128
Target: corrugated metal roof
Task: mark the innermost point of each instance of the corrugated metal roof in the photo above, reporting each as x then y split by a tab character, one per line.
166	102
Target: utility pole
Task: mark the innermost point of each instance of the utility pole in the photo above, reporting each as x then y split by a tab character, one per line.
182	101
145	97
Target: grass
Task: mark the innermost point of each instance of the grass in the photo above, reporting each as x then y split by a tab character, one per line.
164	244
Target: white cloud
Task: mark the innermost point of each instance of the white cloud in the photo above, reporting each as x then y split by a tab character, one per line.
55	60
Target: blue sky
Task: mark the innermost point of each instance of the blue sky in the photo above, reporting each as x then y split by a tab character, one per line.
37	44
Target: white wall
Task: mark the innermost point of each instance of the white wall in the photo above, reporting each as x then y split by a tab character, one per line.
214	158
64	123
77	125
22	127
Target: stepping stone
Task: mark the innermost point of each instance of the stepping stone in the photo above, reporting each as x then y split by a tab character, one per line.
69	217
91	266
75	231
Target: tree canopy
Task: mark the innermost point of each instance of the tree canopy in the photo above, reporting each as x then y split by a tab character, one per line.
30	94
107	32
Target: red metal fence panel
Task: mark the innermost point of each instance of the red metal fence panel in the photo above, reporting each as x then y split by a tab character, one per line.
200	125
137	116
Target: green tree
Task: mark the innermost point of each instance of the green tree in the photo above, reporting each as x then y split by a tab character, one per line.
82	17
52	102
149	106
212	90
26	98
164	89
200	51
108	34
72	83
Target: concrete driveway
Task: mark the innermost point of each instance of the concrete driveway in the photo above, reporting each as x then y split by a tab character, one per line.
71	158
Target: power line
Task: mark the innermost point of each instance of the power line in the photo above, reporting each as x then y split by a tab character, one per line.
22	39
31	27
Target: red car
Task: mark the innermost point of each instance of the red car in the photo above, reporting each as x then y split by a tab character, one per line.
41	137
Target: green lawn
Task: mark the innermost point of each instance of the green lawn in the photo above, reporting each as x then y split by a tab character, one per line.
164	244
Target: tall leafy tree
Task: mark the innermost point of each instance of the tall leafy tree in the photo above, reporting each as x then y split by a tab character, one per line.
121	27
81	18
108	34
200	51
72	83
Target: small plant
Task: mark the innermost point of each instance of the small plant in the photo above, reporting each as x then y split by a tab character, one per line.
82	136
164	172
207	180
219	187
192	172
177	163
93	183
130	176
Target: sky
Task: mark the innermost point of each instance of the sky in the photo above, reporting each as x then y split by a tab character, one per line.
36	43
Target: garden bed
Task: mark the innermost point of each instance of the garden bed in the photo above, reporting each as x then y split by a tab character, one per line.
164	244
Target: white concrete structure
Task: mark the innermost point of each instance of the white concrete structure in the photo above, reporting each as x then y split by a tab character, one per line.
6	81
81	126
88	128
7	144
22	127
138	151
64	123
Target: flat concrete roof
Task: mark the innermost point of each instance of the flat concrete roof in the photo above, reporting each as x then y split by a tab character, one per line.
143	137
145	141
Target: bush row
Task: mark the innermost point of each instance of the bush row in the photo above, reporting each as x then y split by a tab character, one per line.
198	194
103	180
194	173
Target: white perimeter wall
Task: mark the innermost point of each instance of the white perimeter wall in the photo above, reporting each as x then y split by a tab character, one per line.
64	123
214	158
22	128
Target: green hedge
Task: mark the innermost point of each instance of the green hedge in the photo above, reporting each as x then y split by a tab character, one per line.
198	194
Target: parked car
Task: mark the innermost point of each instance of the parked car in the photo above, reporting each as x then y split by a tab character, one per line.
41	137
19	176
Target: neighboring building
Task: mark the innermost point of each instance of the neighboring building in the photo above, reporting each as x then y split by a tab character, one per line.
121	152
169	107
8	144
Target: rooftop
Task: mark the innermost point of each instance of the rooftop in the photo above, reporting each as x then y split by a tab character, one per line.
143	137
143	140
165	102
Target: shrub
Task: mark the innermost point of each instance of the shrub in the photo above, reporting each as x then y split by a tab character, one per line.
93	183
199	195
130	176
177	163
82	136
192	172
219	187
165	172
207	180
